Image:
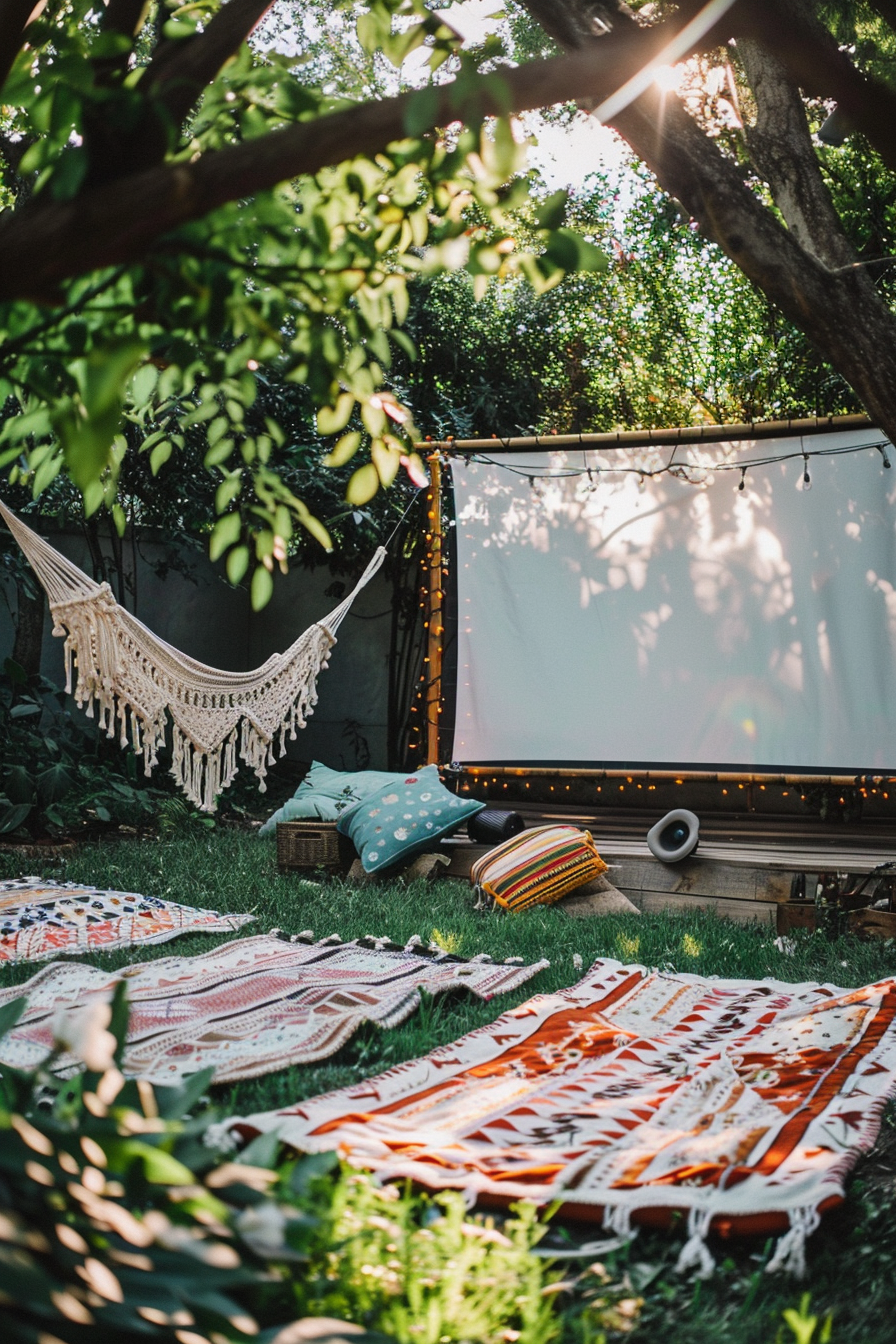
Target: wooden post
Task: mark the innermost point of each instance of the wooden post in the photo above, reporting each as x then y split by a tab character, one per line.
434	611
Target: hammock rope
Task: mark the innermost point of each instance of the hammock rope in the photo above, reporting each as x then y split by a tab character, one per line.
136	680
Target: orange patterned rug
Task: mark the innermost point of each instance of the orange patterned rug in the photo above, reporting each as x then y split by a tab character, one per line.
743	1104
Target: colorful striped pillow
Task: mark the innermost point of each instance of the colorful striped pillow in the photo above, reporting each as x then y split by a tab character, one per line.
537	867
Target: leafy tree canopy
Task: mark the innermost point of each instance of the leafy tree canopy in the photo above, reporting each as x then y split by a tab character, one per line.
184	210
304	284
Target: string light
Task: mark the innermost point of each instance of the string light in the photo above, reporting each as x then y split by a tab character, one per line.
694	473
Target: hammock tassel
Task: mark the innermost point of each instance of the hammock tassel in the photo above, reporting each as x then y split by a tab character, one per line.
124	667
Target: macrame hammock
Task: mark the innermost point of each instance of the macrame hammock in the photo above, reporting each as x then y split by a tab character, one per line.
137	679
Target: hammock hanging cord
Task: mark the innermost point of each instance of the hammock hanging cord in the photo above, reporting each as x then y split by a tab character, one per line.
136	679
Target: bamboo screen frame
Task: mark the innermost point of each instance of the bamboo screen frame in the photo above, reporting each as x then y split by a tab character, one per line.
439	451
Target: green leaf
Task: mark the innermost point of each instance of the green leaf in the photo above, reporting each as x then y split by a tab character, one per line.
422	111
18	783
225	533
331	419
220	453
105	373
174	1102
54	783
363	485
552	212
570	250
344	449
262	588
160	455
237	564
10	1014
11	818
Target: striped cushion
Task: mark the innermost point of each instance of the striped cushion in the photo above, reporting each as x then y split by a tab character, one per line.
537	867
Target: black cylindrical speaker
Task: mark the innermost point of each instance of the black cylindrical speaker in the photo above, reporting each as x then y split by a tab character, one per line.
492	826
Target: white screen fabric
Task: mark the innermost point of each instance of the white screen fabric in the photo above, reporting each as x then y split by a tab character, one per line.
614	620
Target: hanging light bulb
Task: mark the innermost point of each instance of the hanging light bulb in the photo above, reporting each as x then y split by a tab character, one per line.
882	449
807	482
743	478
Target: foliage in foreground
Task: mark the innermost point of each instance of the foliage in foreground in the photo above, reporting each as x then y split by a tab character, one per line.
629	1292
118	1220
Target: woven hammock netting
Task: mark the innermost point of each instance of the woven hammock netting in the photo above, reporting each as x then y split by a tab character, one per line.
138	682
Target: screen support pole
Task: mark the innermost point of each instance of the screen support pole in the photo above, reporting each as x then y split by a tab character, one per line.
434	610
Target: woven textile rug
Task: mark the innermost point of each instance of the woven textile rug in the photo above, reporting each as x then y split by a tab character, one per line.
41	919
250	1006
742	1103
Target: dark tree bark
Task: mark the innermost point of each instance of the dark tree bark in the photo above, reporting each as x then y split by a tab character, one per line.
806	267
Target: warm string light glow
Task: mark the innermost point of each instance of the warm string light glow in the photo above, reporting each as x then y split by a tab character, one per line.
649	463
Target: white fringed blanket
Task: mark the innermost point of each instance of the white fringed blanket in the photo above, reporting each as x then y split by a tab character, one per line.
743	1104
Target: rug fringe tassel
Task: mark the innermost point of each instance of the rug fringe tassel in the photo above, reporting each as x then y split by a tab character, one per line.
790	1252
618	1219
695	1254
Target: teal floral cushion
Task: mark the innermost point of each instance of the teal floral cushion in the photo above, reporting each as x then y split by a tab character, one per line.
403	818
324	794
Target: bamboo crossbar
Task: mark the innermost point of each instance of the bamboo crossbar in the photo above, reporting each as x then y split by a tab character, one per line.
636	438
788	780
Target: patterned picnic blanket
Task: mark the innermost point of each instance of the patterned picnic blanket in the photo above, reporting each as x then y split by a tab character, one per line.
633	1093
249	1006
39	920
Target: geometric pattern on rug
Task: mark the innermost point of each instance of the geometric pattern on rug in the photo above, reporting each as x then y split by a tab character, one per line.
742	1103
39	919
250	1006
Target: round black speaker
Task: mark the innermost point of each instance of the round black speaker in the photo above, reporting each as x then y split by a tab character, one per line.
492	826
675	836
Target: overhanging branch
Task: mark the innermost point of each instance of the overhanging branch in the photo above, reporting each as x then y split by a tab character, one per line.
116	223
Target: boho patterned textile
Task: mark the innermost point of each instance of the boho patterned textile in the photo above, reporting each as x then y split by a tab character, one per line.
41	919
537	867
743	1103
406	816
251	1006
137	679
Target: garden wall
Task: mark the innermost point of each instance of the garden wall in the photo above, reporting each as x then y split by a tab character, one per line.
182	597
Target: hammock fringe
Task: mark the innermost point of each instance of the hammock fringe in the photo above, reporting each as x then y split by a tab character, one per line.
137	681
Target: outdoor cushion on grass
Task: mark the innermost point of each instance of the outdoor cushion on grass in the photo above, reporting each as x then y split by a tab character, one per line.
537	867
324	794
744	1104
404	817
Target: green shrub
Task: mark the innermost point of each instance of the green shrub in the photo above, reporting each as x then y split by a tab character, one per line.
119	1221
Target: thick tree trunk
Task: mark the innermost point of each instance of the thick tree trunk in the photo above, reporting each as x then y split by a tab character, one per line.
808	270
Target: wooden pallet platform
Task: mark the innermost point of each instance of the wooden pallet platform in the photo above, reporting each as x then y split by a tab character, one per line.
743	867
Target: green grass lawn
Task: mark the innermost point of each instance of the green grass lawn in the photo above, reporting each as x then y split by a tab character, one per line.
852	1258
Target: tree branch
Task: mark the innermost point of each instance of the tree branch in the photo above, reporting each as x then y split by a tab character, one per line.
48	242
781	149
180	70
791	32
842	313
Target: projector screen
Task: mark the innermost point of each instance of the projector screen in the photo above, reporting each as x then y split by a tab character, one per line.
611	620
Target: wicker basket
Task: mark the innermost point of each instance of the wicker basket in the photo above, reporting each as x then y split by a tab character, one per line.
312	844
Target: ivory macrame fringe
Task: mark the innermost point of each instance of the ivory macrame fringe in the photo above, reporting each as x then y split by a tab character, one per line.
136	680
